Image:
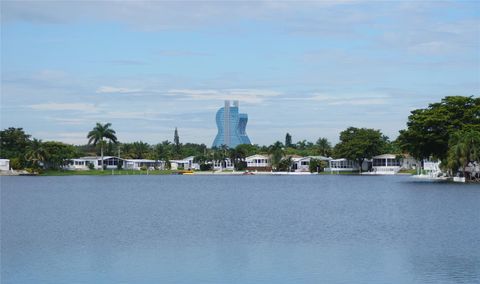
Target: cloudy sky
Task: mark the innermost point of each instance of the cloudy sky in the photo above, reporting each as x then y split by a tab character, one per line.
308	68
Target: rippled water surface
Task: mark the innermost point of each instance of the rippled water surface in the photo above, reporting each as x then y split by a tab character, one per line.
238	229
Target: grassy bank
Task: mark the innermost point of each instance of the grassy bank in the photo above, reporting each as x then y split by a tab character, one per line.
105	172
338	173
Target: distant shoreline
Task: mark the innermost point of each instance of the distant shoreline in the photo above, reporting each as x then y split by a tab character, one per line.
170	172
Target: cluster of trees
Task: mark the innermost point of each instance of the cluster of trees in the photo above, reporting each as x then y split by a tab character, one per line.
25	152
448	131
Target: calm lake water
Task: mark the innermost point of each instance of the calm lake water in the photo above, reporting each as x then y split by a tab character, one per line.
238	229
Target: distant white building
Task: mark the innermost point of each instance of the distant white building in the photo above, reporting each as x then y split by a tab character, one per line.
4	164
386	164
138	164
258	162
302	164
77	164
82	163
187	164
223	165
342	165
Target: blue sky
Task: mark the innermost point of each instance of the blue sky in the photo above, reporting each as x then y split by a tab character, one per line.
308	68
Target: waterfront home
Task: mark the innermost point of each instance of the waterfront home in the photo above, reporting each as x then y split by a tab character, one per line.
82	163
342	165
77	164
138	164
302	164
386	164
258	163
4	164
431	167
223	165
186	164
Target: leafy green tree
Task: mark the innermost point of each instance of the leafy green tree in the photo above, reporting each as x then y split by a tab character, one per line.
324	147
285	164
162	151
248	149
288	140
57	154
140	150
276	152
464	148
98	135
358	144
13	144
36	153
317	165
192	149
429	130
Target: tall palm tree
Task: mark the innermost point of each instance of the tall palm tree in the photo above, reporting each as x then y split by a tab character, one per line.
35	152
97	135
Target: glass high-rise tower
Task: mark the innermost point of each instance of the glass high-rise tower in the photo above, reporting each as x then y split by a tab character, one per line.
231	126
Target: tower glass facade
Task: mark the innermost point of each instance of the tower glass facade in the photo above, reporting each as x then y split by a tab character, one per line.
231	126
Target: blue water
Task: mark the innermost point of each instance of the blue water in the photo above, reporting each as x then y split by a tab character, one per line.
238	229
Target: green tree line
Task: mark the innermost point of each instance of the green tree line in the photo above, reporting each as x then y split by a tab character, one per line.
448	131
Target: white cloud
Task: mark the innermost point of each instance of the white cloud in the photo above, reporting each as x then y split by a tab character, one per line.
116	90
83	107
361	99
251	96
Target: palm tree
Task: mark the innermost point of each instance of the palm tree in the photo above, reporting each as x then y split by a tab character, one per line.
35	152
464	148
140	149
324	147
276	153
97	135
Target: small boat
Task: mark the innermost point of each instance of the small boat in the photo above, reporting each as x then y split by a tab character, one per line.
248	174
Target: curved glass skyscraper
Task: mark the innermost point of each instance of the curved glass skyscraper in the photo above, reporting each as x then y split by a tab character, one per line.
231	126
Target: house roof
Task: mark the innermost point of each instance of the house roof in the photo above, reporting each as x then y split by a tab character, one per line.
256	156
141	160
385	156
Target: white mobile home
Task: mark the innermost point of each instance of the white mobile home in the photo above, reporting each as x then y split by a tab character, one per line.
386	164
82	163
258	162
4	164
342	165
138	164
186	164
302	164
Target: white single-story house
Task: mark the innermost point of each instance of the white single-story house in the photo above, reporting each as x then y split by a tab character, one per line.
223	165
302	164
4	164
137	164
258	162
186	164
386	164
82	163
77	164
342	165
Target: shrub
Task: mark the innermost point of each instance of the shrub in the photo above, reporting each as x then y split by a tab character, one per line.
240	165
15	164
206	167
90	166
143	168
